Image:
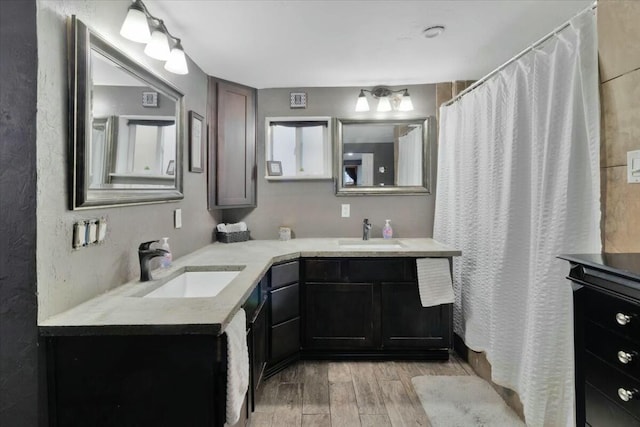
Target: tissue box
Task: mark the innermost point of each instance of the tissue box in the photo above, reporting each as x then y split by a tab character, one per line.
238	236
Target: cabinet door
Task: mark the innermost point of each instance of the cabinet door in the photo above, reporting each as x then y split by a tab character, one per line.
339	316
232	159
259	353
407	324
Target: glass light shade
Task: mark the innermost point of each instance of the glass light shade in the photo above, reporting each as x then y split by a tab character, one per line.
135	26
362	104
405	103
177	62
158	47
384	105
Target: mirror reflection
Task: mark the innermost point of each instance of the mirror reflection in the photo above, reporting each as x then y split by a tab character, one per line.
125	130
383	156
134	132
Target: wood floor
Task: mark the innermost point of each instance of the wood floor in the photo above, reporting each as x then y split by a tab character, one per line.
345	394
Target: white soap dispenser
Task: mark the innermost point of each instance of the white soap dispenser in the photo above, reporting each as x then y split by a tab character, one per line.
387	231
165	261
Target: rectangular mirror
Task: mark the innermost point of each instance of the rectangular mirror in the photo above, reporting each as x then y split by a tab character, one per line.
298	148
126	127
382	156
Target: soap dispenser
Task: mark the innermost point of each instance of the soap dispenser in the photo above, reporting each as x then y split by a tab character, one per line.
387	231
165	261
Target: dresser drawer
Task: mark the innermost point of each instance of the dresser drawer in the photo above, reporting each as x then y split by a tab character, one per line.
613	349
608	380
610	312
601	412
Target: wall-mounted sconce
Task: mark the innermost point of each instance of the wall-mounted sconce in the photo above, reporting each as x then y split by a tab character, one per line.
387	99
161	44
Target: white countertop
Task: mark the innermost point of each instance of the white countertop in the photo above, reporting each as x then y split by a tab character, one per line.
122	310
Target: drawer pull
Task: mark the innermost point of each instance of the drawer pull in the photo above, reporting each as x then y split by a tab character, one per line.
622	319
626	395
625	357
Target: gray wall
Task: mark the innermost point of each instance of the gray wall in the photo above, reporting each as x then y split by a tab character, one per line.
18	309
311	208
67	277
127	100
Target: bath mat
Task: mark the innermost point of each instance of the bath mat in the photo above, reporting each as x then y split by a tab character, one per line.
463	401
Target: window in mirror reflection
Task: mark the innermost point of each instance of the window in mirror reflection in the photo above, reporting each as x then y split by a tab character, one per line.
382	154
302	145
131	144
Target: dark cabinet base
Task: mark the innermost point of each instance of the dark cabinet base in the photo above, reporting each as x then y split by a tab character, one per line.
137	380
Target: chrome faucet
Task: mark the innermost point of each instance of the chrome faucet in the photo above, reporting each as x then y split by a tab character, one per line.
366	227
145	254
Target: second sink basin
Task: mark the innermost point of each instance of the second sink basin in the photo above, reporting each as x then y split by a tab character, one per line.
194	284
373	244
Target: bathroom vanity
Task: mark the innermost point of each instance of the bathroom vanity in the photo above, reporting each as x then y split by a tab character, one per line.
606	297
126	359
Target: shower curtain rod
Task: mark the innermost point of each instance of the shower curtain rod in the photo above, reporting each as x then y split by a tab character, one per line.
515	58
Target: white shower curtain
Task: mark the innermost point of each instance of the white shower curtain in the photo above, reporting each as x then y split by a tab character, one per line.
519	184
410	158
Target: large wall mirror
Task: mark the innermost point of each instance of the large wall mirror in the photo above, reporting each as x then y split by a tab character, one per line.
382	156
126	127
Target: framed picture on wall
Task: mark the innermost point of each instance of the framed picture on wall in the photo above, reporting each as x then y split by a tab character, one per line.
274	168
196	143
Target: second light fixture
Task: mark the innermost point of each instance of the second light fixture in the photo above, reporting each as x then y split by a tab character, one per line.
384	95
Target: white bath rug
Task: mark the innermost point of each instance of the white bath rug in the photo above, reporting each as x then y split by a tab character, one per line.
463	401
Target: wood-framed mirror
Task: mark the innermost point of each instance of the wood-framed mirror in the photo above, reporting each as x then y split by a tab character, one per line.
383	157
125	127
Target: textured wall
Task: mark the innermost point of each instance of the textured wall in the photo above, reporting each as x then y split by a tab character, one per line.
18	308
312	209
619	52
67	277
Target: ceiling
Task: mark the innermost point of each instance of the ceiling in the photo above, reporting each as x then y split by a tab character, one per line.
278	43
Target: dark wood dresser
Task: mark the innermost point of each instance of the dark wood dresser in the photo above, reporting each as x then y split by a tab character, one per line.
606	298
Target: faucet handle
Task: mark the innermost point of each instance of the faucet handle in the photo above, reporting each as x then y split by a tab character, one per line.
145	246
366	221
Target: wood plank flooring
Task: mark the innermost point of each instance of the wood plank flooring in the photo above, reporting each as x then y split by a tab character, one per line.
346	394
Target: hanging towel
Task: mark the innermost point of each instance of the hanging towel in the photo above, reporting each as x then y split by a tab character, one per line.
237	366
434	281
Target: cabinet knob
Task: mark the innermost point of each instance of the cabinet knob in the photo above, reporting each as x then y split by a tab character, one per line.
623	319
625	394
625	357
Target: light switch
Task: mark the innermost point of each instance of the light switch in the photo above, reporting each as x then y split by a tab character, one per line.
633	167
346	210
177	218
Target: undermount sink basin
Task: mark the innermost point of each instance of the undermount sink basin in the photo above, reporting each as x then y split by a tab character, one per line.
371	244
194	284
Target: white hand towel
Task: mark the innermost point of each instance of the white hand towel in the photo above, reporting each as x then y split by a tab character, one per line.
222	227
434	281
237	365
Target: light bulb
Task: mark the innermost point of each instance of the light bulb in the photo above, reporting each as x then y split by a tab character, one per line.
158	47
405	103
177	62
135	26
362	104
384	105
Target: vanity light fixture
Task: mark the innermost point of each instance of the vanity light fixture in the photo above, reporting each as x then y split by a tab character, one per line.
161	44
387	99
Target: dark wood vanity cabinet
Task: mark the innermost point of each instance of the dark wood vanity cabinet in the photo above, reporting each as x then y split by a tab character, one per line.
284	316
606	299
370	307
232	145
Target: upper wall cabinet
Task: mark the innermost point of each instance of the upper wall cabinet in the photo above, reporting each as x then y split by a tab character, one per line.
298	148
125	127
232	145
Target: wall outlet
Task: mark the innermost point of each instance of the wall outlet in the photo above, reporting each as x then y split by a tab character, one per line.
177	218
633	167
346	210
